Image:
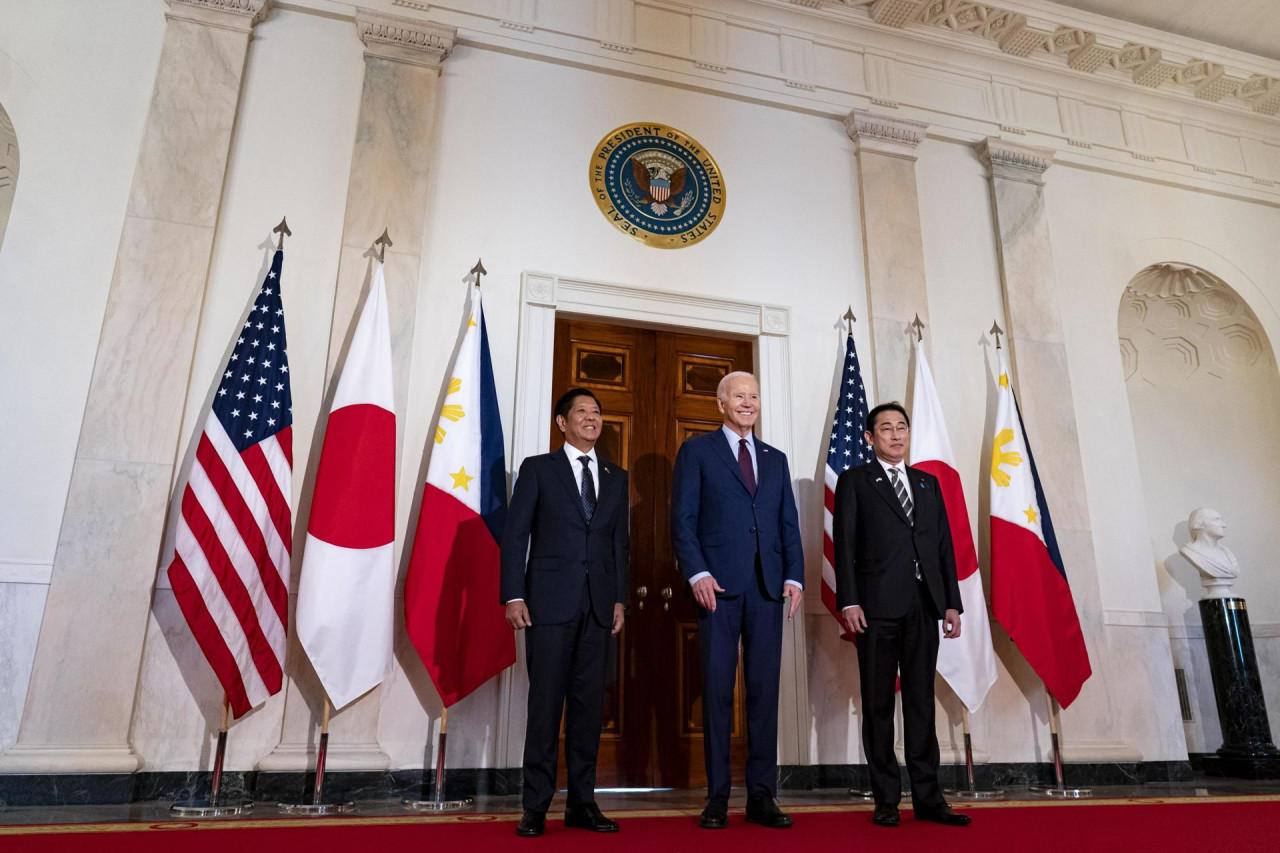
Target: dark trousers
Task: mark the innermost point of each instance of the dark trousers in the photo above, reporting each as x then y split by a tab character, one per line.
566	661
757	621
908	644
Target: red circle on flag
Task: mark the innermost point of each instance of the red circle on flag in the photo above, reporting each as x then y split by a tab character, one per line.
353	503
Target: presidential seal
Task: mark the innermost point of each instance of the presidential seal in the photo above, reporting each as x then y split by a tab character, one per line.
658	185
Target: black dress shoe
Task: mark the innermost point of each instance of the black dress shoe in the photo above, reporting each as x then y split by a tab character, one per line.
716	814
762	809
885	816
531	824
588	816
942	814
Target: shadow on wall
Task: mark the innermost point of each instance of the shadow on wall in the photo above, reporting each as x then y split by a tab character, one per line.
8	170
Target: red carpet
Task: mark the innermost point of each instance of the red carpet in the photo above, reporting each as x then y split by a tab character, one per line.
1230	825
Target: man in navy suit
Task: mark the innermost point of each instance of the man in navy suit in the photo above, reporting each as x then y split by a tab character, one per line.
895	580
565	558
736	535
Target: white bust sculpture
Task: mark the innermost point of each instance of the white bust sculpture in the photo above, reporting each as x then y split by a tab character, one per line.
1218	566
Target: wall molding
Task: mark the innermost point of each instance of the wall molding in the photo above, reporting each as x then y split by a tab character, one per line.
25	571
1260	631
965	88
1135	618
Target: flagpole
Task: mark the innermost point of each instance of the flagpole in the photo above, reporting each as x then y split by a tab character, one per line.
1058	790
212	807
438	803
972	792
316	807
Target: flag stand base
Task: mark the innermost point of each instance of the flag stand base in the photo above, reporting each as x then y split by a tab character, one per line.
1058	790
438	803
972	792
317	807
212	807
201	808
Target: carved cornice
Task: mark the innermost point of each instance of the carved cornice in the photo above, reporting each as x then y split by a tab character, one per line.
1084	50
1014	160
410	40
884	135
231	14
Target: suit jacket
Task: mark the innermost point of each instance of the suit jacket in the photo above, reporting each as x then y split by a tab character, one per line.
718	527
877	548
548	545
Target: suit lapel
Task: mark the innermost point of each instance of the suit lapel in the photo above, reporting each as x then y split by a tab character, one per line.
884	487
726	456
609	483
560	462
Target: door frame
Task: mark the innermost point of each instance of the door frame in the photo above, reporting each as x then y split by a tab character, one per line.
542	296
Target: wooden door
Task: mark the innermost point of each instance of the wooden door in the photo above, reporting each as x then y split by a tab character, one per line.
656	389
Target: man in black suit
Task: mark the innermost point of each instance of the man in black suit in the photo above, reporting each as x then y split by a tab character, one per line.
564	580
895	579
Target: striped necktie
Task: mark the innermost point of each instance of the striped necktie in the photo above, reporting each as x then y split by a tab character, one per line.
904	497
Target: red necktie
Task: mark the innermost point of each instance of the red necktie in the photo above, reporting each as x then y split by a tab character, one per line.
744	462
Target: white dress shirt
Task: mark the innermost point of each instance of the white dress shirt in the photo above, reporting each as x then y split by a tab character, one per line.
573	453
733	439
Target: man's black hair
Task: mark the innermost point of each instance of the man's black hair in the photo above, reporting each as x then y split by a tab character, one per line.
893	406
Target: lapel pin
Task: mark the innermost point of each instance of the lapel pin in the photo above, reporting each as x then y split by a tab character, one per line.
879	479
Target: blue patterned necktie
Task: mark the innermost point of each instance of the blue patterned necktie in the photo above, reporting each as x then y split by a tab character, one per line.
588	488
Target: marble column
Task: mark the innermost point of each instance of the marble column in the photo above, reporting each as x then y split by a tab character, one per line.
1042	379
1247	750
387	189
892	243
80	699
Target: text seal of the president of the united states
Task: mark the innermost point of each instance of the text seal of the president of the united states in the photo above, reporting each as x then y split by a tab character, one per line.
658	185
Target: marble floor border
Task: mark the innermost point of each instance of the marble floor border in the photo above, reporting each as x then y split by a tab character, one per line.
124	788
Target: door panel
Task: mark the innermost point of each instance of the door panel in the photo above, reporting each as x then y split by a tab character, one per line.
656	389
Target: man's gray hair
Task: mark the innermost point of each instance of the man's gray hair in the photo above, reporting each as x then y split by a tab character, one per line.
729	377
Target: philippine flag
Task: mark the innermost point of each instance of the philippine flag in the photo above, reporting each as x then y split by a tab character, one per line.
968	663
1029	592
451	601
346	595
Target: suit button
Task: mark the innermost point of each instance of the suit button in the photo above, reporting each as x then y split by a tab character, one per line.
752	530
584	562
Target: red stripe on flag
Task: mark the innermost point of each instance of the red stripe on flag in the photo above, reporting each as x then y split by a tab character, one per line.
1031	599
829	499
233	589
277	504
284	438
452	607
957	515
240	514
208	636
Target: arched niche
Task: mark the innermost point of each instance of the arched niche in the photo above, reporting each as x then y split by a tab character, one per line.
8	169
1204	393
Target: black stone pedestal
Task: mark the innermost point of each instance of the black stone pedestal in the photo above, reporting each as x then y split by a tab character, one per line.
1247	751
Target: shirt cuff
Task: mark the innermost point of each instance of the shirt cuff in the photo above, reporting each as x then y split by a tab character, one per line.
796	584
850	607
514	600
699	576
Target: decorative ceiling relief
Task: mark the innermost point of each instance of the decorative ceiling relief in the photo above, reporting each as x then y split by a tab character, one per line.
1090	52
1179	323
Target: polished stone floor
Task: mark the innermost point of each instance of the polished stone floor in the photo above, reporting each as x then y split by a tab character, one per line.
616	802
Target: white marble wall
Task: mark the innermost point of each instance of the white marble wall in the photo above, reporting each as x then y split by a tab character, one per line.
800	246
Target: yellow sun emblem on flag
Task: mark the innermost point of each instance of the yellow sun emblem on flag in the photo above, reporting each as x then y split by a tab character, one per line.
450	410
1003	457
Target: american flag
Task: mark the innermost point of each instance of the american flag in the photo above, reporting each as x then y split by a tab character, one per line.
230	569
846	449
